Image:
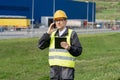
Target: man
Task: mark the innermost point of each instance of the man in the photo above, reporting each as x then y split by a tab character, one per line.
63	45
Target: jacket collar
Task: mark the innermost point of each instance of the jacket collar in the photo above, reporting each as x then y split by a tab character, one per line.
64	34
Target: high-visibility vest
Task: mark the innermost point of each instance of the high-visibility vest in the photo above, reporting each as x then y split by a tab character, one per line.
60	57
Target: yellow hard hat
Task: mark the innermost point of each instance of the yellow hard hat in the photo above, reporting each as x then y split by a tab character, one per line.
59	14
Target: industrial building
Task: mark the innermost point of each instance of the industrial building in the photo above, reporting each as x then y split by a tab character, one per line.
23	12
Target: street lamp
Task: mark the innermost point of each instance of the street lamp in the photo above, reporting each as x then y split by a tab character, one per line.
87	12
53	6
93	14
32	24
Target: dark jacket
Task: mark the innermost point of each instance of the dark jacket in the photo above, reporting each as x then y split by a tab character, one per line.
75	49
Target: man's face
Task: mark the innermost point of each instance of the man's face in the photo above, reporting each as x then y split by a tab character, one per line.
60	23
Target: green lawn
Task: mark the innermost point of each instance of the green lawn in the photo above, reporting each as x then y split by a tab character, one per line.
20	59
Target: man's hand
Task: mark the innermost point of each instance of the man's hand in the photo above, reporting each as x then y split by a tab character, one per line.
51	28
65	45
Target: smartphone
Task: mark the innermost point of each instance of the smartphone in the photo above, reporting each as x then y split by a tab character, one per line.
51	21
54	25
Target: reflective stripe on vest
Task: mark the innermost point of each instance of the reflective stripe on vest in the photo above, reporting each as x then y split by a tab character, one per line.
60	57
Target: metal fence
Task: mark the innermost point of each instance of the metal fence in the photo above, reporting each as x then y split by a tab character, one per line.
29	33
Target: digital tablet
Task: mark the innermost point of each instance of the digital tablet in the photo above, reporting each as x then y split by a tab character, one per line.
58	40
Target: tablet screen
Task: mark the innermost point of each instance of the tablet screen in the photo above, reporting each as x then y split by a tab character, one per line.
58	40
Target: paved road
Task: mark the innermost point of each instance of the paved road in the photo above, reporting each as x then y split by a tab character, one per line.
39	32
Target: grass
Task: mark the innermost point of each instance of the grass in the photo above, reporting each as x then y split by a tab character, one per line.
104	10
20	59
100	59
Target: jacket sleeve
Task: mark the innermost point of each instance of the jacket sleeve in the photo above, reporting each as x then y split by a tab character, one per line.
75	48
44	41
